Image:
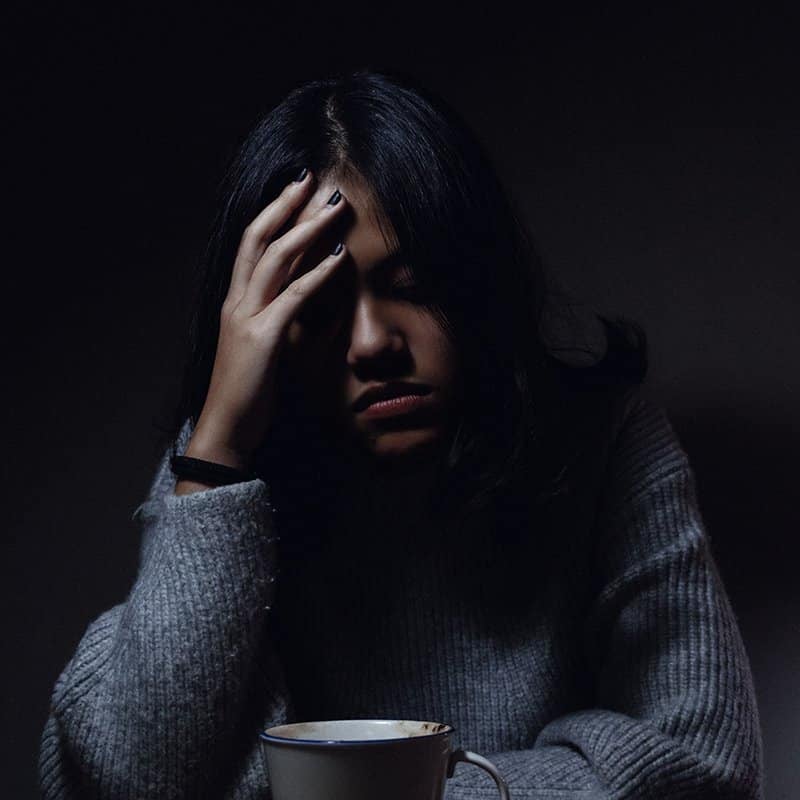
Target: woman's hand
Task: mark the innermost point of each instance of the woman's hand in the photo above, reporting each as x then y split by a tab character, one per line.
261	303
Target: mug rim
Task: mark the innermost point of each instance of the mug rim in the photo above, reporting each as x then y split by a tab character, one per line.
285	740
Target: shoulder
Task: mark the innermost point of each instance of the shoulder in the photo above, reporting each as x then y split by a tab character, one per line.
649	506
601	366
645	449
631	494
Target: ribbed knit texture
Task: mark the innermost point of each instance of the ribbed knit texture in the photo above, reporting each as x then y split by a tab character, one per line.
620	675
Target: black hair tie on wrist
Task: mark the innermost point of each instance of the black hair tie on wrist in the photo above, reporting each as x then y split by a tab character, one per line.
209	472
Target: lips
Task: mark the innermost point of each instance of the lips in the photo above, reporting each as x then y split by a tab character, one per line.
386	391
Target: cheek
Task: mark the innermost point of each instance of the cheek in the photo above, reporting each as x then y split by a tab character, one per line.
437	352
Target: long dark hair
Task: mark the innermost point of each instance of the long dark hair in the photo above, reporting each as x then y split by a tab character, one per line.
525	419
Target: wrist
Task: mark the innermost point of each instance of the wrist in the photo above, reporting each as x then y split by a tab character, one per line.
207	472
210	450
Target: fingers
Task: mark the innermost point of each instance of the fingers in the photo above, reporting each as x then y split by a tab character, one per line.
285	307
260	231
273	269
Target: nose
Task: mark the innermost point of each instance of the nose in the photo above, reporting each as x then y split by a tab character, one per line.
374	334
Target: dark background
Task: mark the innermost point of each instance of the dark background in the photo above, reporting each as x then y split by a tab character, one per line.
654	153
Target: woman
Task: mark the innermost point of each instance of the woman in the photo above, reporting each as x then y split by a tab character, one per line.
514	548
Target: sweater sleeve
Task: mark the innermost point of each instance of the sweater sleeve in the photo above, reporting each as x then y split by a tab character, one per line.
674	712
166	692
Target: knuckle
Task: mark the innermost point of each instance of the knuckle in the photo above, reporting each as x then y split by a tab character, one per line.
228	308
247	241
249	333
278	249
297	288
227	326
240	330
302	286
252	234
235	317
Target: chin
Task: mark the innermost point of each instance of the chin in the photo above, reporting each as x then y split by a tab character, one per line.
403	448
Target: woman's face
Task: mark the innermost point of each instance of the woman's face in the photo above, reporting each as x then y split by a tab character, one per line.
365	327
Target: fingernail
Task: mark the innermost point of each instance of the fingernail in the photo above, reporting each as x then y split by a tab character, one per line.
335	198
301	175
338	249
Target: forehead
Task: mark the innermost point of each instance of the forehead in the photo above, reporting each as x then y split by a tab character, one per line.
357	225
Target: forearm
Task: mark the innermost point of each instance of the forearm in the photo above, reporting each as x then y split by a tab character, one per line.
606	755
158	688
544	772
674	712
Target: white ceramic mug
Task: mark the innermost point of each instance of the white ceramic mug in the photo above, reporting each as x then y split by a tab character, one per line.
365	759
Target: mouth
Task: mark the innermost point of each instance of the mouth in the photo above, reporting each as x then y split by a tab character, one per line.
391	398
395	406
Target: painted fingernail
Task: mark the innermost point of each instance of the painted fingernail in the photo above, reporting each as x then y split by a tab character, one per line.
335	198
301	175
338	249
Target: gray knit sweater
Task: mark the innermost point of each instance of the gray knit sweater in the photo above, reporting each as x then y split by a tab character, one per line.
618	673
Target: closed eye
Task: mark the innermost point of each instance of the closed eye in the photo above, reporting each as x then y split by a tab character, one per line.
411	292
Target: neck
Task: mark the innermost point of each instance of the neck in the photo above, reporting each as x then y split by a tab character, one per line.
401	494
392	494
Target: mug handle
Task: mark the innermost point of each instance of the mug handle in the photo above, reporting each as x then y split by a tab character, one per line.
483	763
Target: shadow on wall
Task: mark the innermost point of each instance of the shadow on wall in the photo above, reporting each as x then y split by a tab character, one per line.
748	483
